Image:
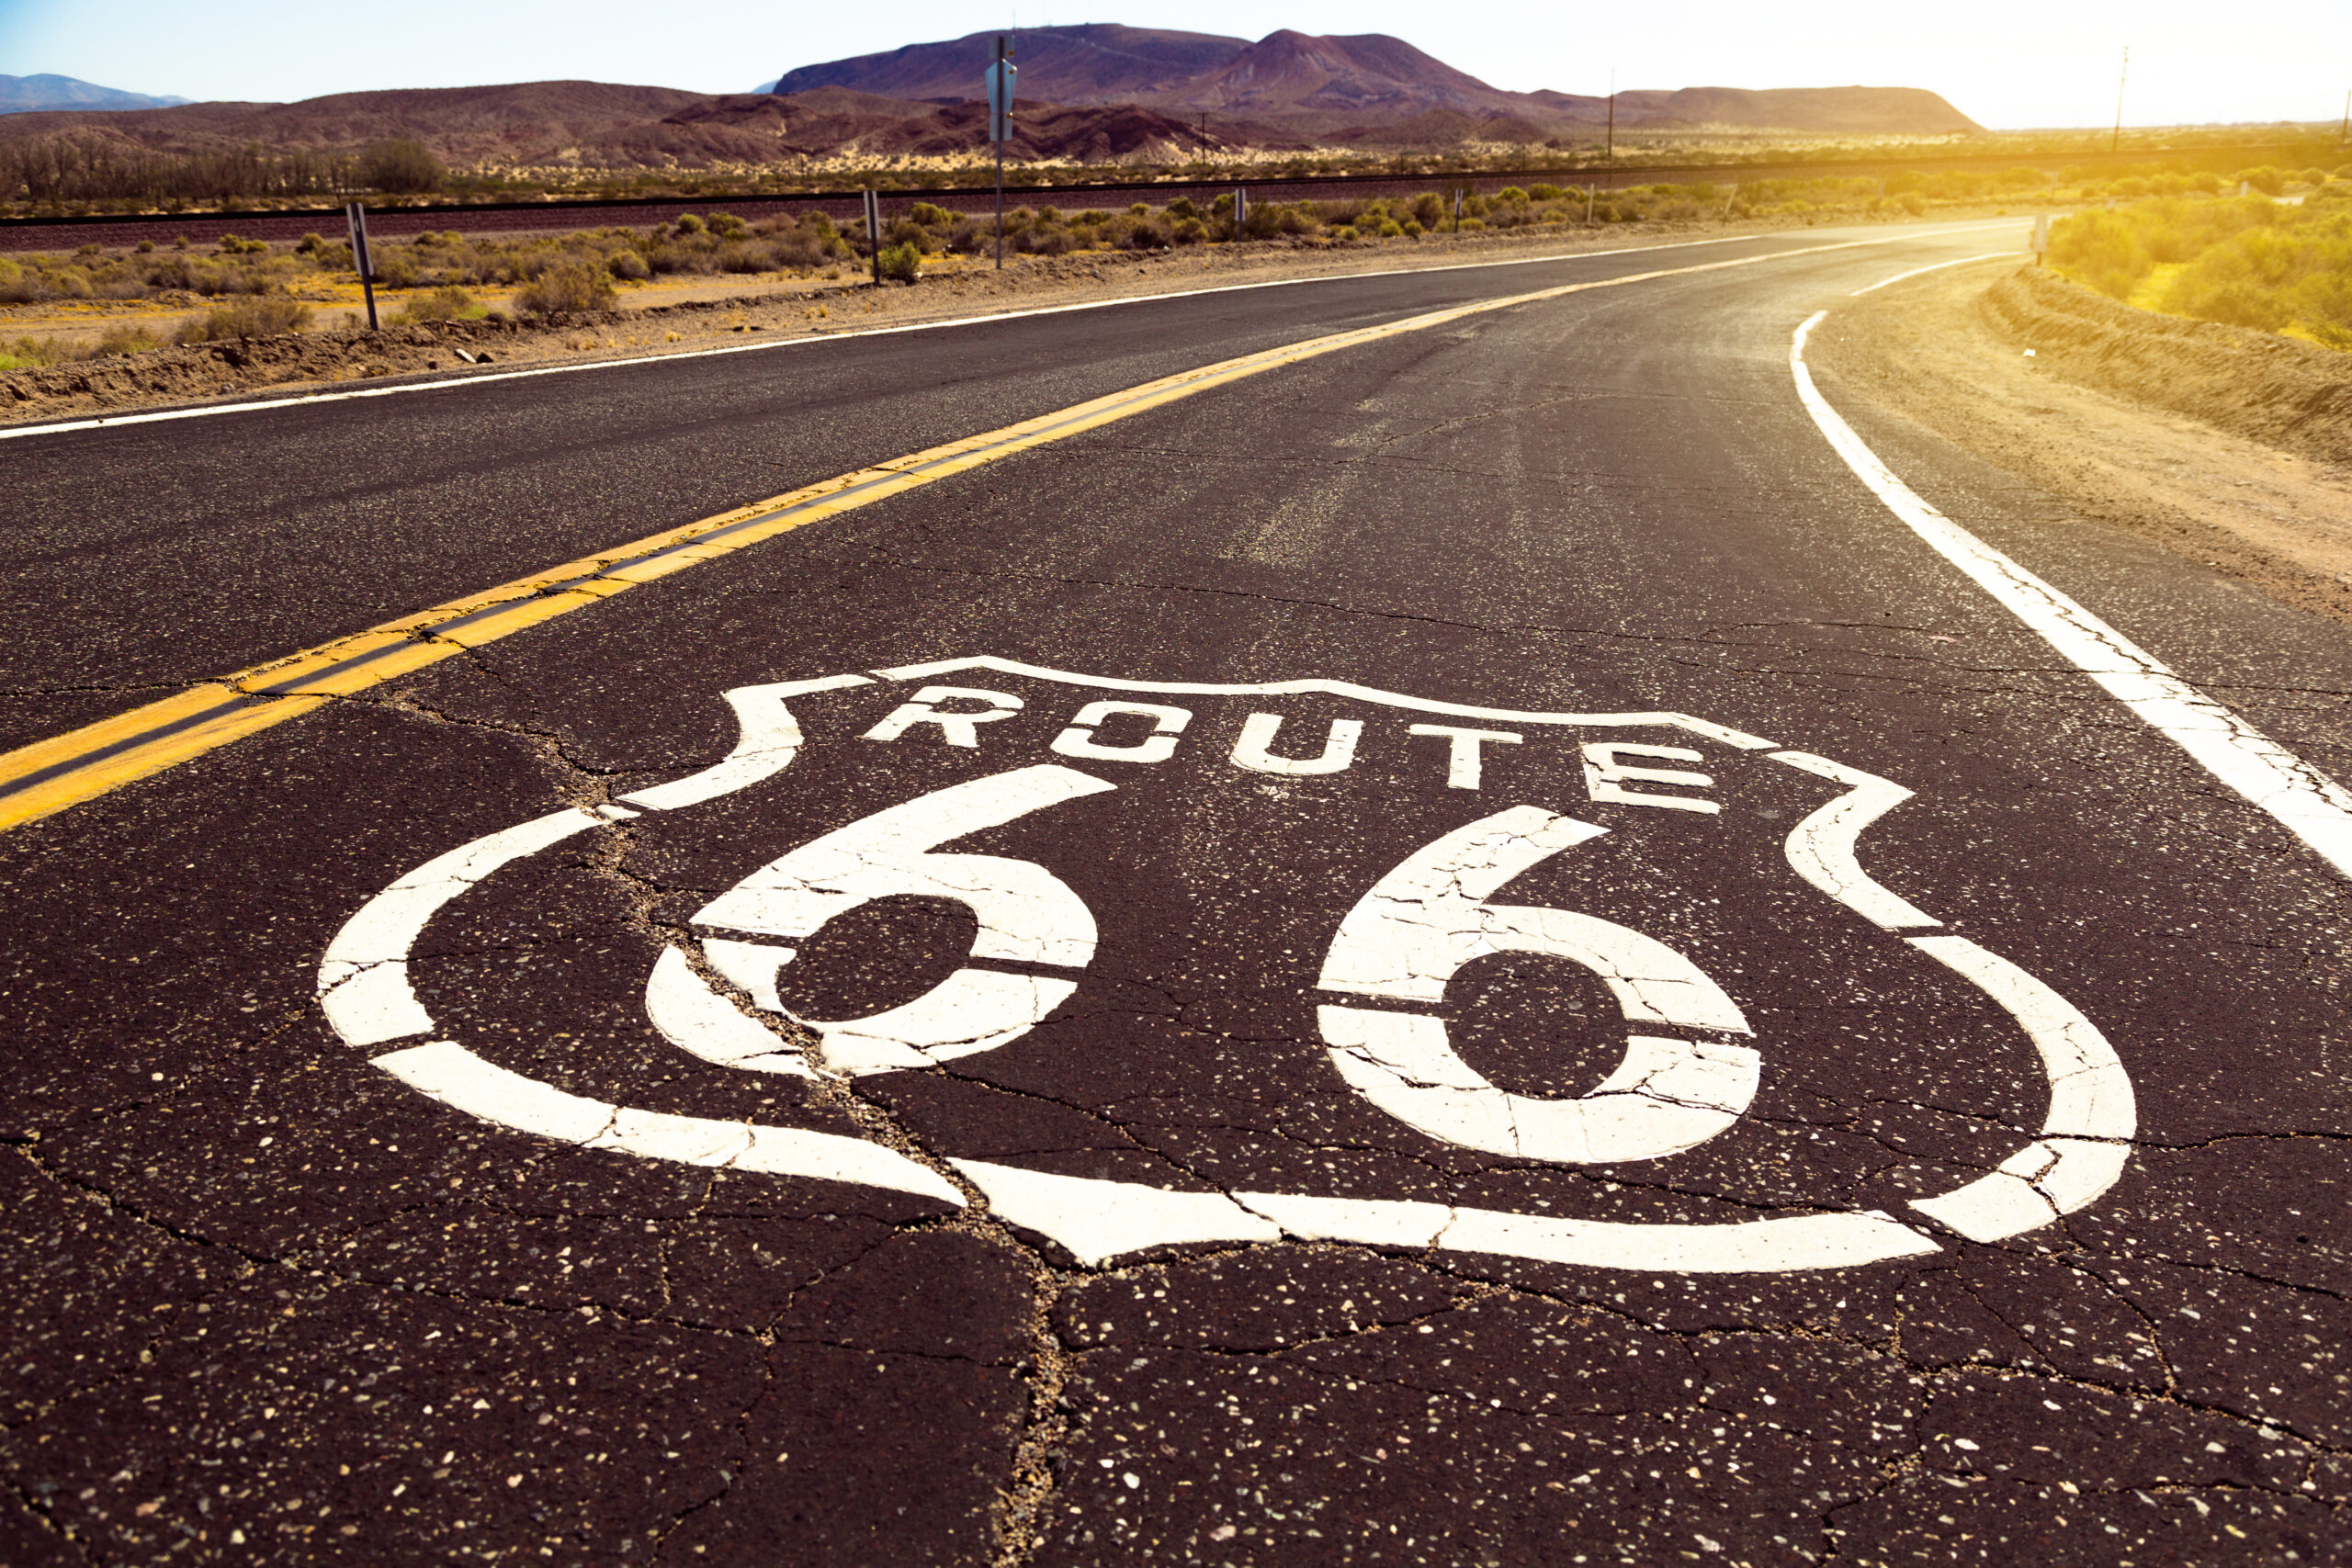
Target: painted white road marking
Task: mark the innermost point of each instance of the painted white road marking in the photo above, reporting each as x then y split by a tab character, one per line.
767	737
1167	723
1463	758
1605	776
363	979
957	726
700	1021
1774	1246
1097	1221
1420	923
456	1076
2304	800
1932	266
1026	915
2092	1117
2082	1149
1821	848
1252	749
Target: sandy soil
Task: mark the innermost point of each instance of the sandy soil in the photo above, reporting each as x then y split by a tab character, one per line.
2266	507
670	314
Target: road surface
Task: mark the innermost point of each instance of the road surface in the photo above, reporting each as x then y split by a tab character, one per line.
1464	940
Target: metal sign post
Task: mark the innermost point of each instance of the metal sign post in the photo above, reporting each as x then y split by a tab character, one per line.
1000	85
2041	238
1240	211
874	233
357	217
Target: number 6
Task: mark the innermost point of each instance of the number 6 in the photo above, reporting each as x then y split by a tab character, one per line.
1422	921
1026	916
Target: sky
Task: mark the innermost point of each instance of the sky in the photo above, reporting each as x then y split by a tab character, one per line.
2014	65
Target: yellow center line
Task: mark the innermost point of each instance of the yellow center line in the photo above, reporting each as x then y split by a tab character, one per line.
50	775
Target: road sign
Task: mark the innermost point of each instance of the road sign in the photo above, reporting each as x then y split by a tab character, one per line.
1490	952
1000	79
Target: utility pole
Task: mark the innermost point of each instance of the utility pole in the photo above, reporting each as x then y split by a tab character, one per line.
1611	154
2122	77
2344	132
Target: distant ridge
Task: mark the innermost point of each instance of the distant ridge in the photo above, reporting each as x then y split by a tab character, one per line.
21	94
1348	88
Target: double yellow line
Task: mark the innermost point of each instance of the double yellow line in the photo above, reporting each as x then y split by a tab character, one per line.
50	775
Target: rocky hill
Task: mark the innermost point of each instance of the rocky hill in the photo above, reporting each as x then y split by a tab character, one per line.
47	91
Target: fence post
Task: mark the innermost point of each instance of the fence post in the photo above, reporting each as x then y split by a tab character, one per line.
357	215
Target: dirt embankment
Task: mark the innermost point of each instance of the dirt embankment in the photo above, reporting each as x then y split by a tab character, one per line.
2273	388
2231	448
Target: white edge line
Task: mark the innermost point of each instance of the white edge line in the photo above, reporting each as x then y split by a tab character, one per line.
109	421
1938	266
2304	800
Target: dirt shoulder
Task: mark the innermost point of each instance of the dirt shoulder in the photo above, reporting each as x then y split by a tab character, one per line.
2231	448
711	313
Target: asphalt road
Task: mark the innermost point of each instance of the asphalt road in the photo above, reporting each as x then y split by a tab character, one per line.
1269	1086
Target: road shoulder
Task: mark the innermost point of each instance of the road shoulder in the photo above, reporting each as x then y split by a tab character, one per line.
1948	351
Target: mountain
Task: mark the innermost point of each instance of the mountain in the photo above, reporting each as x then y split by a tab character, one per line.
1090	64
1360	87
1288	70
19	95
1828	110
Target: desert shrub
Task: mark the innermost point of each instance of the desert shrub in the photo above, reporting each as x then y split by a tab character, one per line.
907	232
1429	209
1472	225
401	168
445	304
931	216
2102	251
737	257
628	265
262	316
2273	278
2264	178
803	248
2312	176
1188	231
561	290
1546	193
726	226
232	245
1391	230
1044	240
11	275
1346	233
1147	234
125	338
146	247
1183	207
899	264
34	353
689	224
1411	229
395	269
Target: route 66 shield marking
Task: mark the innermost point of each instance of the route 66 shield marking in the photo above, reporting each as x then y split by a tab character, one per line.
1286	906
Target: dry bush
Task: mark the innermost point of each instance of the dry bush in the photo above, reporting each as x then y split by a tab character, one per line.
628	265
899	264
262	316
564	289
444	304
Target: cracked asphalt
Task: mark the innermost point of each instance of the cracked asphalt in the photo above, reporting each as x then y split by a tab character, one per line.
272	1301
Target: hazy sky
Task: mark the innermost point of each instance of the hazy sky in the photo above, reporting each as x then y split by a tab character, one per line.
2006	62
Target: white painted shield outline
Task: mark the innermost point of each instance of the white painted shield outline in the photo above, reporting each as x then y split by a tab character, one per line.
2084	1142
